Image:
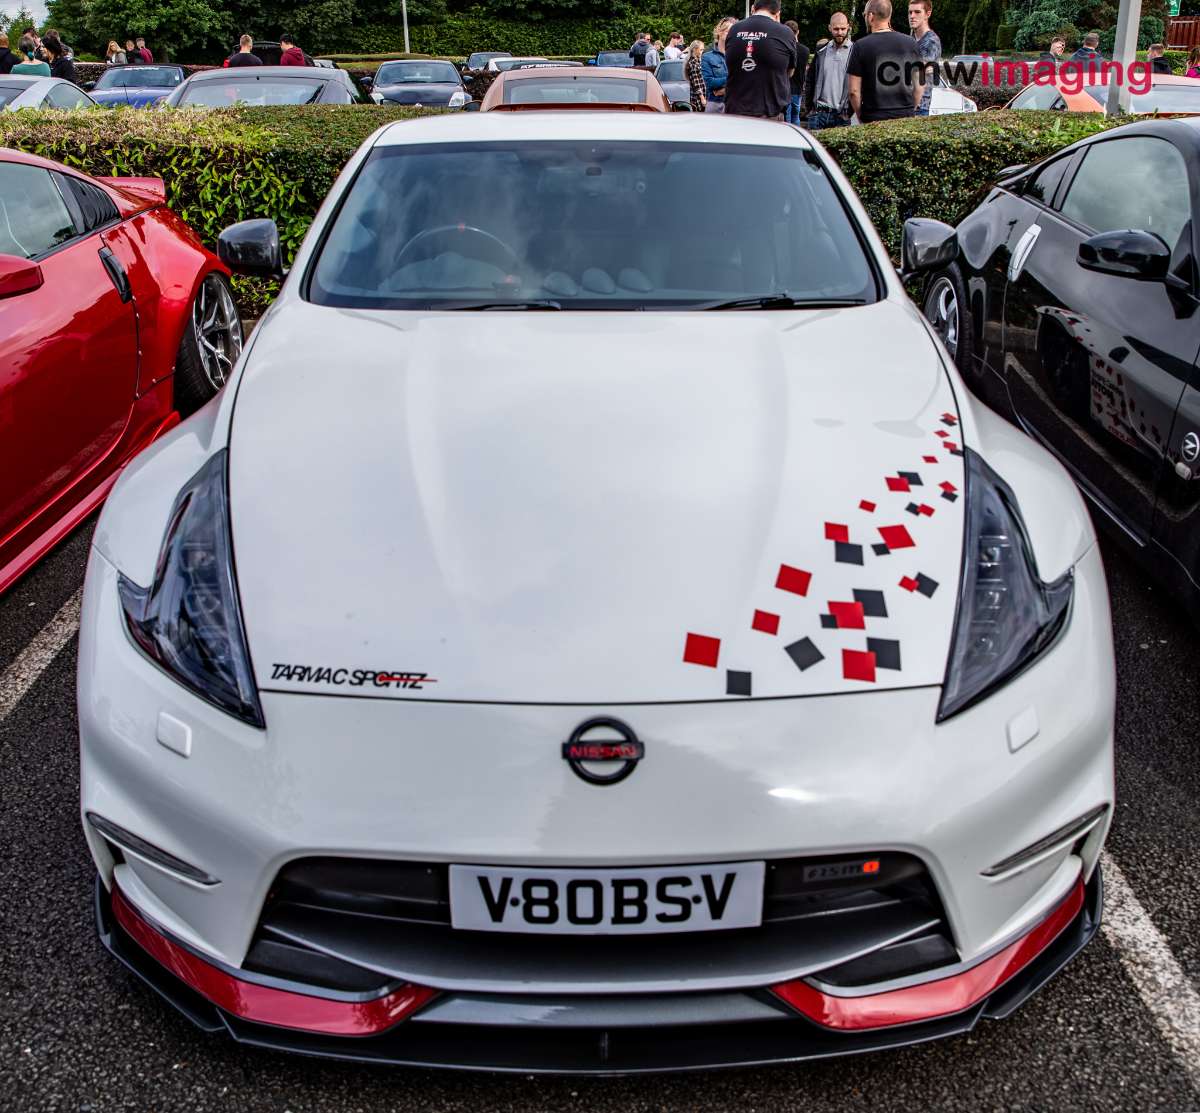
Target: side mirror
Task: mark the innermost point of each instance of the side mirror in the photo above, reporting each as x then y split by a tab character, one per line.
251	247
18	276
590	62
471	106
88	85
928	245
1127	254
366	82
1012	171
681	106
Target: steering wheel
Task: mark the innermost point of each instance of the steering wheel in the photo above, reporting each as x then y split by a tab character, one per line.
496	251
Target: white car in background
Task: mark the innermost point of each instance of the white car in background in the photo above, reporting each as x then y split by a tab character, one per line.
19	91
581	710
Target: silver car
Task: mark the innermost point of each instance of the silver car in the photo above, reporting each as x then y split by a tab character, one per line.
18	90
261	85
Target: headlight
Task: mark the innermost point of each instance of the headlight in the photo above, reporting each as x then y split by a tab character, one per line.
458	98
1007	615
188	621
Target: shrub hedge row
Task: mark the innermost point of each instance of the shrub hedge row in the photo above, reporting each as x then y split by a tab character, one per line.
231	164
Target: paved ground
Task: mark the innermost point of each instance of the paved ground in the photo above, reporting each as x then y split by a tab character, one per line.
78	1034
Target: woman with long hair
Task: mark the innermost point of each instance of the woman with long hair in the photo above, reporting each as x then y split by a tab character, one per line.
114	55
714	67
1193	69
695	76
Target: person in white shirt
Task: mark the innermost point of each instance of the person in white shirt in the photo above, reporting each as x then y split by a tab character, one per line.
674	49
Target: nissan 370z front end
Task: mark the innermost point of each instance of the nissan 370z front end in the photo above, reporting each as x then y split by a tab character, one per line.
580	714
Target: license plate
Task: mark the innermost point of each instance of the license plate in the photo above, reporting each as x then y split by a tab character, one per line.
607	902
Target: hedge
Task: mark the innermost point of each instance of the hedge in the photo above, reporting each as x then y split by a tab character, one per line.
231	164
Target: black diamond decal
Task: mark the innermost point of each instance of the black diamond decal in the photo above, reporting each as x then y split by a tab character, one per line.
887	652
873	604
914	480
828	622
881	549
846	553
925	585
737	683
804	654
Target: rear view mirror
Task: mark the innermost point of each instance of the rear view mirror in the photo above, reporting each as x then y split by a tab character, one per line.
251	247
18	276
928	245
1127	254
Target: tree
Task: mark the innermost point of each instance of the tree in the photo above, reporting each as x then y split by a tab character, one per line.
170	26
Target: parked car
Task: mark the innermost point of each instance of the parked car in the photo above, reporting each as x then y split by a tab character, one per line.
501	65
481	58
773	681
139	86
945	101
261	85
1167	93
113	321
1070	307
432	84
674	82
610	59
582	88
19	91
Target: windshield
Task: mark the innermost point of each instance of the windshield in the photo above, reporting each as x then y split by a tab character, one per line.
583	90
670	71
614	58
1160	98
416	73
251	90
140	77
9	93
588	225
509	63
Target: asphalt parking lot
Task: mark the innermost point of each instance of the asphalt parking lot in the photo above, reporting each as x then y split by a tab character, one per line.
1119	1029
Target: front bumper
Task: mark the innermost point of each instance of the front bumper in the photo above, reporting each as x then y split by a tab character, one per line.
439	783
632	1036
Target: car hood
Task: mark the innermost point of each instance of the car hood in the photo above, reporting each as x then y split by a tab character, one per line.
433	91
596	508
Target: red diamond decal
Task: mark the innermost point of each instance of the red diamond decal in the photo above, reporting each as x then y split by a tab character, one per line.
930	459
858	664
835	532
948	486
795	580
897	483
701	650
849	616
908	583
941	433
869	507
925	509
950	446
896	537
950	419
766	622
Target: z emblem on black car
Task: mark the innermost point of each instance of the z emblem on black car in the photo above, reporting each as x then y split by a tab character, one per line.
593	743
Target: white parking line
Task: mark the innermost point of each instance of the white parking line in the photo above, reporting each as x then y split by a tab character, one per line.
1161	984
19	677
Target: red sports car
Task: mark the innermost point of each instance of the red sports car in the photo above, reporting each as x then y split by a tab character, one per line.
114	322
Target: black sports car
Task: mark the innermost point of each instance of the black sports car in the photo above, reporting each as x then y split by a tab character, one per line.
432	84
1072	308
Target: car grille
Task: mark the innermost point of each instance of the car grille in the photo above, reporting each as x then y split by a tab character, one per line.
359	925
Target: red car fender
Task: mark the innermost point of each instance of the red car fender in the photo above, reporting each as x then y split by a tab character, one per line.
166	264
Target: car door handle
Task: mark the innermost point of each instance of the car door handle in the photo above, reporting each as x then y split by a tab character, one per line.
1021	253
117	273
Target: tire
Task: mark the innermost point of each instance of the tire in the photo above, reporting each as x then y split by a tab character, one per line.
947	310
211	344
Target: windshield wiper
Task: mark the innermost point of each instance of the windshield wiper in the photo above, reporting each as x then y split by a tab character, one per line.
544	303
783	301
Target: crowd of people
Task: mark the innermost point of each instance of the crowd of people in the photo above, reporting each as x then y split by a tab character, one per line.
759	67
37	55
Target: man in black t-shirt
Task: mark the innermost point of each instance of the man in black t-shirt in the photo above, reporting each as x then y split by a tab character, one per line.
885	69
761	55
245	55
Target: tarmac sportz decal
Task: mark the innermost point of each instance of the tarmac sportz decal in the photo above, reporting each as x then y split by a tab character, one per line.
918	494
351	678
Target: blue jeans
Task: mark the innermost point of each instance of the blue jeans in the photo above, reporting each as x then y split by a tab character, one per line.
792	112
825	118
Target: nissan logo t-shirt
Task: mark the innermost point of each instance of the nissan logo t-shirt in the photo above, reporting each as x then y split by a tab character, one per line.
759	53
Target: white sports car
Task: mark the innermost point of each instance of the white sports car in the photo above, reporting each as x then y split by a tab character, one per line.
594	629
